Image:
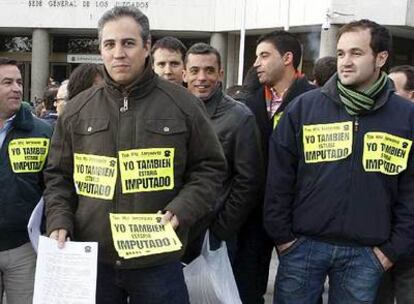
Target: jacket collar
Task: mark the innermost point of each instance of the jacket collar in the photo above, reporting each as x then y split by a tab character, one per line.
298	87
24	119
331	91
213	101
142	86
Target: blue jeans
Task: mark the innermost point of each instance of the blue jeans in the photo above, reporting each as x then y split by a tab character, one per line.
354	273
154	285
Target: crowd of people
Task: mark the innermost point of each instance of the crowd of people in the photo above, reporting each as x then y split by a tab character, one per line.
321	171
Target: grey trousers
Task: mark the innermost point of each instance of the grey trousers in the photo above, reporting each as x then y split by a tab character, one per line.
17	271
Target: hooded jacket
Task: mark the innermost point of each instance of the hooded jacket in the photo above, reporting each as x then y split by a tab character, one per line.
340	178
106	121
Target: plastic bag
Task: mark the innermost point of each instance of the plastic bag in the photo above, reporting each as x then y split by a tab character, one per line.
210	278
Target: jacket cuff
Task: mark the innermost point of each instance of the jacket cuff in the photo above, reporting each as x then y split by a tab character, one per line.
183	221
59	223
387	250
284	240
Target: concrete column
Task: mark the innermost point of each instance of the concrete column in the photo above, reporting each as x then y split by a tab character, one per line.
232	60
219	41
40	63
26	82
328	41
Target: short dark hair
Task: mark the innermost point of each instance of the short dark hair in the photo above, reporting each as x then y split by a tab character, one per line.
251	81
126	11
324	68
8	61
381	39
202	48
284	42
82	78
49	97
408	71
170	43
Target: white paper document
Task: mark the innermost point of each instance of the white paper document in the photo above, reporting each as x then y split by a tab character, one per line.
67	275
35	222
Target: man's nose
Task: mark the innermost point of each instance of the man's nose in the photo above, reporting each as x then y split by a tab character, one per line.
119	51
17	87
201	75
168	69
256	62
346	59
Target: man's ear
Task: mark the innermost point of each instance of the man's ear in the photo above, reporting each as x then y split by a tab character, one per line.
288	58
185	76
381	59
411	95
147	47
221	74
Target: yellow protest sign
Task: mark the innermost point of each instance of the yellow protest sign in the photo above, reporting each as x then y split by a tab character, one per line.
144	170
28	154
385	153
136	235
327	142
95	175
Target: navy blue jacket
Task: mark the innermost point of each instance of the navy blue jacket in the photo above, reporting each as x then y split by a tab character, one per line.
338	201
19	192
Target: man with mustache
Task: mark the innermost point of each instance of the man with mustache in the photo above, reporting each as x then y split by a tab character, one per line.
148	146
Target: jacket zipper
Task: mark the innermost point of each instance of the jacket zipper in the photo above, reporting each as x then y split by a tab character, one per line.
353	156
118	190
124	108
356	124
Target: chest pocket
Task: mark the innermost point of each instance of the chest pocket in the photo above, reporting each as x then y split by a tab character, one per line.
91	136
91	126
165	126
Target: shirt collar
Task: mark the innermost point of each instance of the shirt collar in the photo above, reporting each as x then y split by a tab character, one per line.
8	123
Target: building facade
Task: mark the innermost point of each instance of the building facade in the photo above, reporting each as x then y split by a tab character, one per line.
51	37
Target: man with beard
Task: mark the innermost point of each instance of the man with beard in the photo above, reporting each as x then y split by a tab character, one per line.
340	184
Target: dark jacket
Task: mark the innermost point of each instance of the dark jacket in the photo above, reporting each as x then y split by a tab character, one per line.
50	117
347	200
256	102
236	128
21	178
159	115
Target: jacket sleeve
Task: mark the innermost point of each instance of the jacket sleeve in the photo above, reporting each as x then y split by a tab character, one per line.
60	195
401	241
281	181
205	171
47	131
247	176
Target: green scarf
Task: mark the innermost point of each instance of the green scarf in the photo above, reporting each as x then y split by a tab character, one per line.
359	102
